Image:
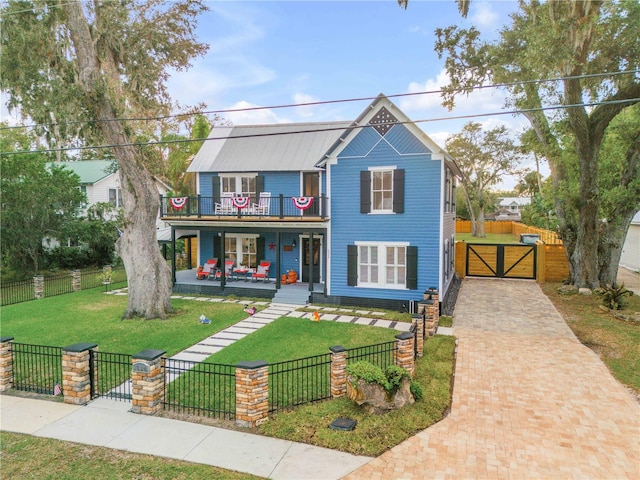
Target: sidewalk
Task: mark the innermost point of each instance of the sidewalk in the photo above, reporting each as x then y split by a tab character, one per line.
108	423
529	400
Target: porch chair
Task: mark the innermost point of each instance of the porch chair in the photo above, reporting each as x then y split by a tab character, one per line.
211	267
262	207
228	269
225	207
262	272
206	270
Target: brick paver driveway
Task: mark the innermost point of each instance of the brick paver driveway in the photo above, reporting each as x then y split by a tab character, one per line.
529	400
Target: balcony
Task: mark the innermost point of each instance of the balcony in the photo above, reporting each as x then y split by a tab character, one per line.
249	208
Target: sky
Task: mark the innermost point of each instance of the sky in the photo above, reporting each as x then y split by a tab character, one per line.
269	53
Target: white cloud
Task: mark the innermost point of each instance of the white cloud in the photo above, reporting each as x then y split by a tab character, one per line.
252	117
483	15
305	111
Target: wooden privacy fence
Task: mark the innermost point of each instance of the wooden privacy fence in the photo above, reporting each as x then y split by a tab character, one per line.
551	262
513	228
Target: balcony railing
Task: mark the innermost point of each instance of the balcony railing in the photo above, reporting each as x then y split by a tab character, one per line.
265	206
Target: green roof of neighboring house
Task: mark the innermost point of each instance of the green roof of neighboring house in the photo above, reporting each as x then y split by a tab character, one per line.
89	171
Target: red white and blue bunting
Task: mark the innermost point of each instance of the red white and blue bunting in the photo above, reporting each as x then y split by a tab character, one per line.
302	202
240	202
178	202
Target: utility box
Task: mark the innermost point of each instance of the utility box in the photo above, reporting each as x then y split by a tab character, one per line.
529	238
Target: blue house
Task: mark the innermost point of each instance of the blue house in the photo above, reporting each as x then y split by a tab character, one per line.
363	212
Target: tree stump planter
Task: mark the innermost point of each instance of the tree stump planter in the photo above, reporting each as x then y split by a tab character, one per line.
375	398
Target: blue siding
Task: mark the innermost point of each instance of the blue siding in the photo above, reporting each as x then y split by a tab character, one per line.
419	224
404	141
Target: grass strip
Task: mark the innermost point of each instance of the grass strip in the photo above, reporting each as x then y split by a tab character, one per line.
24	456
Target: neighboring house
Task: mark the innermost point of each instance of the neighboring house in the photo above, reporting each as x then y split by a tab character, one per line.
509	209
363	211
100	182
630	257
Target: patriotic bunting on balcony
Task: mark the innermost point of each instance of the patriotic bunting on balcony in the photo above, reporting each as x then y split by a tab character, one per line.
240	202
178	202
302	202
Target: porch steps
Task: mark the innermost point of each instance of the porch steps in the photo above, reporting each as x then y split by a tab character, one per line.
292	295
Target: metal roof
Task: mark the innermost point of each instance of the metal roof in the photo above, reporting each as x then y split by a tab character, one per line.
89	171
266	148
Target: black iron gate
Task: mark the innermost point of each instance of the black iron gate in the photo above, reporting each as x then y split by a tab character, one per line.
110	375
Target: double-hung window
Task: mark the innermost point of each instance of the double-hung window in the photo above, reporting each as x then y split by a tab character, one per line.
115	197
382	190
382	265
239	185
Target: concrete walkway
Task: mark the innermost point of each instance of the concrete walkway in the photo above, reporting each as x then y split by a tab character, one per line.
107	423
529	400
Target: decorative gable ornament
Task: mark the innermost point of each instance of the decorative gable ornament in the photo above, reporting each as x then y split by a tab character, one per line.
383	121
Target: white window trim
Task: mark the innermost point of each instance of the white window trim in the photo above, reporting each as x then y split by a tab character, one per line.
238	238
238	177
382	277
374	211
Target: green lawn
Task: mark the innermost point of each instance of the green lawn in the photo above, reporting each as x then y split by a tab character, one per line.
489	238
24	456
292	338
95	317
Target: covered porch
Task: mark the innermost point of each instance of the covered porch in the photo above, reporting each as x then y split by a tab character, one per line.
186	282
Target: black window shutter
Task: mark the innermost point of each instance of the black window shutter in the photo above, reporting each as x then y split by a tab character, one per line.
398	191
412	268
217	249
352	265
259	186
260	248
216	188
365	191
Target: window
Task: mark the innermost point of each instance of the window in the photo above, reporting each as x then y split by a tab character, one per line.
115	197
381	265
238	184
382	190
242	249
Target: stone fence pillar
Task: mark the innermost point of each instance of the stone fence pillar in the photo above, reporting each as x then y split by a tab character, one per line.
338	371
404	353
76	279
147	381
38	286
6	363
76	373
252	393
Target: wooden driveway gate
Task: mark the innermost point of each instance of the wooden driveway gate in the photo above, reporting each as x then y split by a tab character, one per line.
501	260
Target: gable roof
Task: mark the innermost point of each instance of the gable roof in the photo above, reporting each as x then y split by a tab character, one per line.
520	201
89	171
367	118
277	147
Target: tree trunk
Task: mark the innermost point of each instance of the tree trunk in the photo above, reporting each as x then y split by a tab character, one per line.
148	275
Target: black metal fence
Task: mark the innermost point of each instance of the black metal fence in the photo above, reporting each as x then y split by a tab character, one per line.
17	292
380	354
37	368
57	284
295	382
205	389
113	371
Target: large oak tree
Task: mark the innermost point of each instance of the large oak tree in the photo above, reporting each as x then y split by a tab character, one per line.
76	68
586	45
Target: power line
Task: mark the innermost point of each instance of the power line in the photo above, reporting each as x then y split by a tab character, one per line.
323	102
351	127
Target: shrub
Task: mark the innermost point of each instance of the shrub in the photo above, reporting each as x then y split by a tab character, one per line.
416	391
613	297
390	379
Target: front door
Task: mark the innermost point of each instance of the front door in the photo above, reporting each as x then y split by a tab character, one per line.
316	260
311	188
